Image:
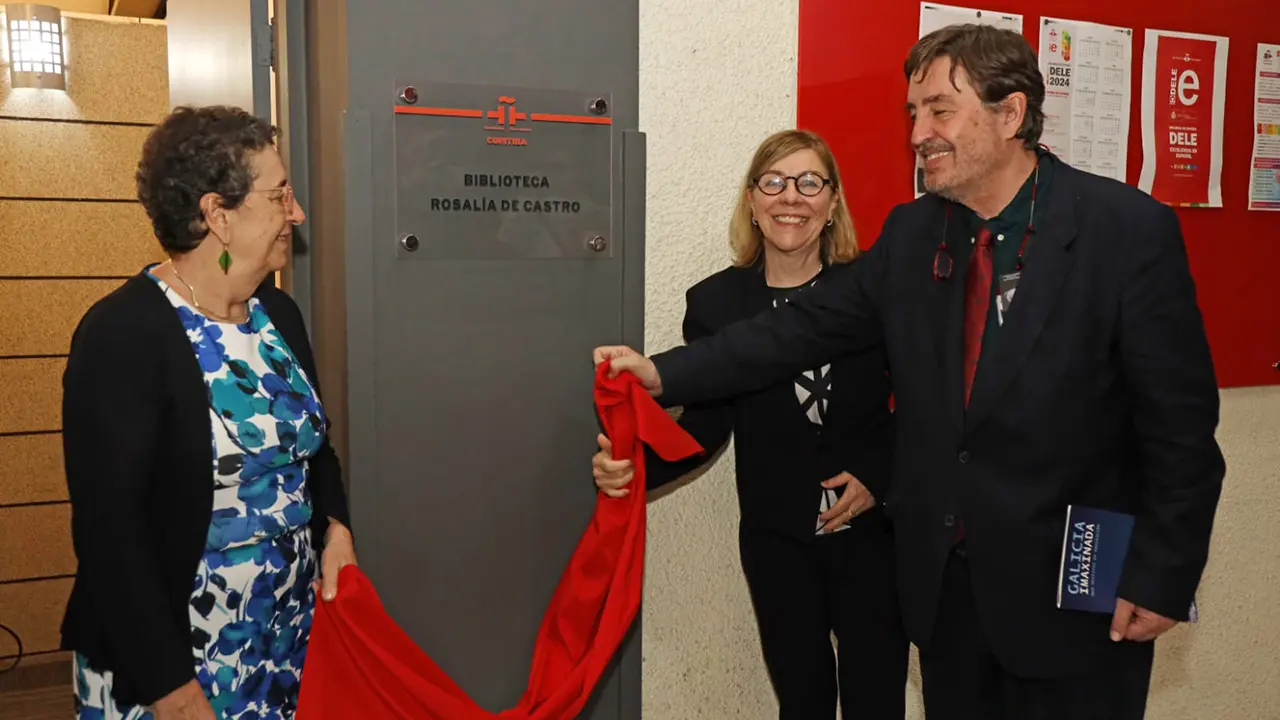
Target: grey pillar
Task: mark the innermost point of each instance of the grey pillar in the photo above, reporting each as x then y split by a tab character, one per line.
470	241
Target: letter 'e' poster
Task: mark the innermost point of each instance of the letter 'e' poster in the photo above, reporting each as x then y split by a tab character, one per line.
1184	85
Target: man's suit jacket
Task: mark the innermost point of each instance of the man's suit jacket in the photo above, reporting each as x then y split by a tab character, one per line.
1100	392
780	456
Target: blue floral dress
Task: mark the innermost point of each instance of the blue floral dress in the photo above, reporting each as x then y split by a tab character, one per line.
252	604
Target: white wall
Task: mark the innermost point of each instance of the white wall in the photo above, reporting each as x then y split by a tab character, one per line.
715	79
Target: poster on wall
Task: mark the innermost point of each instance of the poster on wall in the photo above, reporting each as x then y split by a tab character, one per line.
1088	100
1184	87
1264	171
935	17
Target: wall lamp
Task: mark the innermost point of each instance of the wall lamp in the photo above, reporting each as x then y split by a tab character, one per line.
36	57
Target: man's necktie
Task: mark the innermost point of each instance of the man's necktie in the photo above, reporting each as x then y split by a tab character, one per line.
977	300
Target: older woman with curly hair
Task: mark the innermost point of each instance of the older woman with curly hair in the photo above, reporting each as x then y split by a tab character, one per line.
207	502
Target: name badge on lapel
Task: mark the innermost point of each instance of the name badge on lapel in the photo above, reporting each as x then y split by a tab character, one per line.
1008	286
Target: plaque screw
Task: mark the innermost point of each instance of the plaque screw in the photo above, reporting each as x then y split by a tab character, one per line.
597	243
409	242
598	106
409	94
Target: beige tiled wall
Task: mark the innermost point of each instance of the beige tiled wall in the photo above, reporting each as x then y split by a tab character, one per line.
70	231
34	611
68	160
31	466
30	396
85	239
58	303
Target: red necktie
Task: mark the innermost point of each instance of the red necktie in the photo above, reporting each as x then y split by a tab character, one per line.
360	664
977	301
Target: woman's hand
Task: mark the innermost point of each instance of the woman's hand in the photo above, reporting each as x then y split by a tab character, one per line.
186	703
611	475
339	552
622	358
855	500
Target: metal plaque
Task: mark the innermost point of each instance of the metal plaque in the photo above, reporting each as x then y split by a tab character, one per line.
502	173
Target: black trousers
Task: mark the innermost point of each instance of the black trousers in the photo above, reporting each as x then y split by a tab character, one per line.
802	592
963	681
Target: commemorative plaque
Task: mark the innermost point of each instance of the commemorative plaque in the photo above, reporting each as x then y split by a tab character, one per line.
502	173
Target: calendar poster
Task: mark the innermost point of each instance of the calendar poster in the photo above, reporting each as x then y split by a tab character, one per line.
1087	94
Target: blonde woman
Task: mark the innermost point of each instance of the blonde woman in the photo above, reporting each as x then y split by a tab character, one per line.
812	452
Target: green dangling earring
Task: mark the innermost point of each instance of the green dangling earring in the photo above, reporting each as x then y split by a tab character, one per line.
224	260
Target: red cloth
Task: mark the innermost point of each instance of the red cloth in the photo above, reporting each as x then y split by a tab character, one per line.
361	665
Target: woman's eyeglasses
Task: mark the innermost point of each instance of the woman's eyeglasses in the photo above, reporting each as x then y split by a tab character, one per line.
807	184
282	195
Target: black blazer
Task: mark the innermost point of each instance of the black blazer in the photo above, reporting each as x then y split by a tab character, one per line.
135	428
1100	391
781	457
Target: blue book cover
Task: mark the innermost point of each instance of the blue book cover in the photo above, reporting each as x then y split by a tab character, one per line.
1094	545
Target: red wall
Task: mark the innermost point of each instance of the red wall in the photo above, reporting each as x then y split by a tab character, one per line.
852	91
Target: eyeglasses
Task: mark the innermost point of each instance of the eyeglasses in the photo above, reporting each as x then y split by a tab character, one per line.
284	198
807	184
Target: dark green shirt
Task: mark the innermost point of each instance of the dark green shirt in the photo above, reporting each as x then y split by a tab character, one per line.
1007	230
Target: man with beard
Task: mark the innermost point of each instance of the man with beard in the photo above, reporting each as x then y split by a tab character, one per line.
1091	385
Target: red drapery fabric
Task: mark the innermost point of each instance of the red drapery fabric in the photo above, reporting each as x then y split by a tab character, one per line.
360	664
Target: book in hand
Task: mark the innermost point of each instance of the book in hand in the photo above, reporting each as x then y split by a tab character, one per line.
1094	545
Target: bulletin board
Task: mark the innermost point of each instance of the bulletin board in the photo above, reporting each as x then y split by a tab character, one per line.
852	91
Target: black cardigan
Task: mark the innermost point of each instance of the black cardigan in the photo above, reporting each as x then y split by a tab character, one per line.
781	457
136	439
